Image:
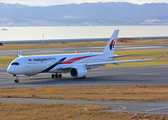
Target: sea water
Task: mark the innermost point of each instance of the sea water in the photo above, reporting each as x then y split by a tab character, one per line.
79	32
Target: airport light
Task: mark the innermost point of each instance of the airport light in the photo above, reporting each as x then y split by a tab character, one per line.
80	110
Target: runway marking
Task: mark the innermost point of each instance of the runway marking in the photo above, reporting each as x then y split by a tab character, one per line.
159	104
141	47
123	108
156	109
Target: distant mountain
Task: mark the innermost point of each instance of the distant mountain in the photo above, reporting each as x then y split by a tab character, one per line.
4	6
110	13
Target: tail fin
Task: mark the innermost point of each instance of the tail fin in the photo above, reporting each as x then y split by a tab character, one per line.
110	47
19	54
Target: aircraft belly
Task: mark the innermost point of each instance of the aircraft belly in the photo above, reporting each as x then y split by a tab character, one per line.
59	70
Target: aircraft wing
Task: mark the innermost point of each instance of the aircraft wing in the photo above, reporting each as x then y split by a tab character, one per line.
122	61
116	62
68	66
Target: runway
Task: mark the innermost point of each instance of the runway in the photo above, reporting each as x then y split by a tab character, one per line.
120	76
81	49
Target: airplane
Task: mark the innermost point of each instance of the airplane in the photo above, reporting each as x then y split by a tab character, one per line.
76	64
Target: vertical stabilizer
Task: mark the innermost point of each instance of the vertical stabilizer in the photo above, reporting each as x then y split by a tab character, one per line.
19	54
110	47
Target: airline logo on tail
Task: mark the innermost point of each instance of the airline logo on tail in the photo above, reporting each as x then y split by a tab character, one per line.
112	44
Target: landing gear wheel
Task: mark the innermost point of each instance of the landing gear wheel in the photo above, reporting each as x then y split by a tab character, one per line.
84	77
56	75
52	76
60	75
16	81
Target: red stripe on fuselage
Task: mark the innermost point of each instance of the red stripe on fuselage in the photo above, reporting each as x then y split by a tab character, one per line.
76	59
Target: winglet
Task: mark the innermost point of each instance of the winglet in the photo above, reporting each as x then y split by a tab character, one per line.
161	56
19	54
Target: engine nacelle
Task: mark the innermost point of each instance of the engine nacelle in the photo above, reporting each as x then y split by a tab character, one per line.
78	72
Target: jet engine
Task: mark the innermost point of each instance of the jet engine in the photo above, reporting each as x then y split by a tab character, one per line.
78	72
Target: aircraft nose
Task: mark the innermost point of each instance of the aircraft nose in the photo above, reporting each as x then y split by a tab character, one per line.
10	70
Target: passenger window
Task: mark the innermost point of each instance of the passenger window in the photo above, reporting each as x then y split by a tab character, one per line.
15	63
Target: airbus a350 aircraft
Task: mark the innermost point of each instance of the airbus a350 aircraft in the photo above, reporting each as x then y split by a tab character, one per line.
76	64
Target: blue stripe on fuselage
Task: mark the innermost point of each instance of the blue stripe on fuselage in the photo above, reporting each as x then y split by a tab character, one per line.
57	63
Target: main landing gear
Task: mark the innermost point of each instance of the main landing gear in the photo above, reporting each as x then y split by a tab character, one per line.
81	77
56	75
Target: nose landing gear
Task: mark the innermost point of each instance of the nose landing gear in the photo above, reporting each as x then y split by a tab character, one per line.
17	80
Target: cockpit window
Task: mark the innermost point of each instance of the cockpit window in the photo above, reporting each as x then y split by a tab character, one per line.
15	63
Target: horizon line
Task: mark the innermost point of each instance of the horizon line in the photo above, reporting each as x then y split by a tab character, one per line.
45	5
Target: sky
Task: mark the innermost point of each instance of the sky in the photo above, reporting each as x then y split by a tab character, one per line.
60	2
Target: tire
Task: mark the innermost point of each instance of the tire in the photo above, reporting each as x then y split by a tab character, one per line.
84	77
52	76
60	76
56	75
16	81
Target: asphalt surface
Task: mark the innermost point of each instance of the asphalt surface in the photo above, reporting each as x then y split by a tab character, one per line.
120	76
81	49
120	107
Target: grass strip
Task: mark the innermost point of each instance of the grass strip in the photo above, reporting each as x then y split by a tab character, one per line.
6	60
81	44
47	111
100	93
140	55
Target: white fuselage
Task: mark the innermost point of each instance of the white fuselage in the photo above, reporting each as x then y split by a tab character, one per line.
49	63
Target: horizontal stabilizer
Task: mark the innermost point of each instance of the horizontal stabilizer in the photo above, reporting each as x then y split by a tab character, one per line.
123	55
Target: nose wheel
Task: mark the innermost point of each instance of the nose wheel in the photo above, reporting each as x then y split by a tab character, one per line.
17	80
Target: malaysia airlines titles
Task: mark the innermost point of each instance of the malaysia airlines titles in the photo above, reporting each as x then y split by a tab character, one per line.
42	59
